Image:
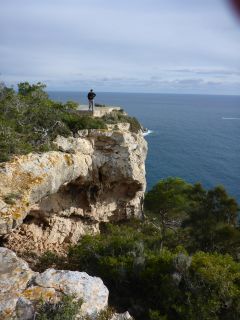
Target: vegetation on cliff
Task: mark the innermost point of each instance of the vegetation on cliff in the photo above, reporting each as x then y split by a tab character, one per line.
68	308
180	263
119	117
65	309
30	120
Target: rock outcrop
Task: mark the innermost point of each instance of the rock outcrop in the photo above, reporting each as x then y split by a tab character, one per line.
22	289
49	200
122	316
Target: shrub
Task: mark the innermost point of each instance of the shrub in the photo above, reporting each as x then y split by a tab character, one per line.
30	121
11	198
75	122
50	260
99	105
197	218
118	117
105	314
66	309
157	283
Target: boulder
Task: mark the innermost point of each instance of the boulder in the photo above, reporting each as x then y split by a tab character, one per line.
90	290
22	289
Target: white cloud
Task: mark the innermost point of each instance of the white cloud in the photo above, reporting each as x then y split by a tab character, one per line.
128	45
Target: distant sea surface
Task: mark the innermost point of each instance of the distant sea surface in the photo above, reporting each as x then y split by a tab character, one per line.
195	137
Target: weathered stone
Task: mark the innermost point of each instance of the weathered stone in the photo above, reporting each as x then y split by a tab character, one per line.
22	289
14	277
24	309
35	237
122	316
98	176
90	290
36	293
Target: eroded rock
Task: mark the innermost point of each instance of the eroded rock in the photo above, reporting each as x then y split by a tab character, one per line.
14	278
22	289
78	284
49	200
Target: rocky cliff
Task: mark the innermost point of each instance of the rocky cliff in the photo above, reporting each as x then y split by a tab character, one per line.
49	200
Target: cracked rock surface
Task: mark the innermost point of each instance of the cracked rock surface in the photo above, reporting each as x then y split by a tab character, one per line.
49	200
22	289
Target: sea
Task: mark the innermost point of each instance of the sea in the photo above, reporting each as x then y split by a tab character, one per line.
194	137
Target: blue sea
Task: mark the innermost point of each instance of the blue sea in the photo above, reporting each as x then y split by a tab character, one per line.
195	137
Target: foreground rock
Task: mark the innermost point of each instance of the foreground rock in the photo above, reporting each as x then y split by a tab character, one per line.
121	316
49	200
78	284
22	289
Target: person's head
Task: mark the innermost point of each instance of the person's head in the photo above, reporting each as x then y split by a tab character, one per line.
91	90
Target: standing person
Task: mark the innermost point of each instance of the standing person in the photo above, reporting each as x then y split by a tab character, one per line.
91	95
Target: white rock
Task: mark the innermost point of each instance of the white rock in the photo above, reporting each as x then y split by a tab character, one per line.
21	288
98	176
14	277
78	284
122	316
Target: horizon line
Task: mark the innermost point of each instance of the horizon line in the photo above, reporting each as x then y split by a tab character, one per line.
163	93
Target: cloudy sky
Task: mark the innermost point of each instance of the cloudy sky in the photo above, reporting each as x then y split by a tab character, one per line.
172	46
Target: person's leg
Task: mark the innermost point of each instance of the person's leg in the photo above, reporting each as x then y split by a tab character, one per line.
92	104
89	104
91	108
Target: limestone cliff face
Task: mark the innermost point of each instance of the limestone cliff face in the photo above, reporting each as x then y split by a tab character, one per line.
49	200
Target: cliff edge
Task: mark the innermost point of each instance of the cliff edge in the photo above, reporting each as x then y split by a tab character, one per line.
49	200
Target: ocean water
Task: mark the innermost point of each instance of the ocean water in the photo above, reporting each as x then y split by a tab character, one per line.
195	137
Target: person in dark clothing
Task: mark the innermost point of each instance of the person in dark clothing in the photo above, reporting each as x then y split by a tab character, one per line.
91	95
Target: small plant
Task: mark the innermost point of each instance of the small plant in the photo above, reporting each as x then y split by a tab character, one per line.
106	314
118	117
11	198
71	105
66	309
75	122
155	315
99	105
30	121
49	260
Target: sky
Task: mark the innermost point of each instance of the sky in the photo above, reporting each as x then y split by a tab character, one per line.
162	46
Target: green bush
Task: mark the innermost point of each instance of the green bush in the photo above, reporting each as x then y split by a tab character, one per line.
147	267
75	122
105	314
11	198
197	218
30	121
50	260
162	274
100	105
66	309
156	283
117	117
